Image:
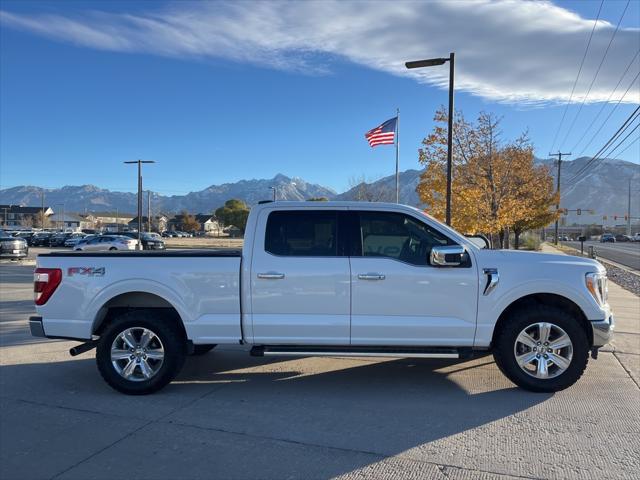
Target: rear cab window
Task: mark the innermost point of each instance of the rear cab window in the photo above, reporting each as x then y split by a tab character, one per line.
302	233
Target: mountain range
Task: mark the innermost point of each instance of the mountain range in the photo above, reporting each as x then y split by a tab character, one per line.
604	190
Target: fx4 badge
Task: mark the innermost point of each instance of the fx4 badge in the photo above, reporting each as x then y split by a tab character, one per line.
90	271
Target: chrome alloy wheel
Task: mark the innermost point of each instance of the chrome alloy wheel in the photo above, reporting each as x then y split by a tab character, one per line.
137	354
543	350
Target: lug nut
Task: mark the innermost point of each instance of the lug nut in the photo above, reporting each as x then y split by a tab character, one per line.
132	357
538	356
546	356
535	349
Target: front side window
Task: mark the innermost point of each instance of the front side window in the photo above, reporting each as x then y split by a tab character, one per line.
398	236
302	234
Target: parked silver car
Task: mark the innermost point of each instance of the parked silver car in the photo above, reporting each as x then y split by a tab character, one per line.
13	247
106	243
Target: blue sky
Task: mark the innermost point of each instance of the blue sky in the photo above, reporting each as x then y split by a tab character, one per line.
215	92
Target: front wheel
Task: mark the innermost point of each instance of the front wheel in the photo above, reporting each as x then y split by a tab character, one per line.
541	349
140	352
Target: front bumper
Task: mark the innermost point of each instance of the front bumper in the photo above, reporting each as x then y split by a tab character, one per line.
20	254
602	331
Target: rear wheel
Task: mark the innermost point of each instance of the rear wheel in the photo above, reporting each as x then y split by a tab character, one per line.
112	248
542	349
140	352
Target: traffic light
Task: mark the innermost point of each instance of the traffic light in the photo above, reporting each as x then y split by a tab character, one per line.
579	211
615	217
626	218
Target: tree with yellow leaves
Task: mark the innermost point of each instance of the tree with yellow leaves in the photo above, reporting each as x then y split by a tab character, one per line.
495	185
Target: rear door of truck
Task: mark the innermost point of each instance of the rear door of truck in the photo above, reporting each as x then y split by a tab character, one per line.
300	278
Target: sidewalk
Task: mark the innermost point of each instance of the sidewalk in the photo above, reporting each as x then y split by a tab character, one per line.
626	311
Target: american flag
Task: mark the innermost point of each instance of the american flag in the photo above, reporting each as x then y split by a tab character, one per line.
383	134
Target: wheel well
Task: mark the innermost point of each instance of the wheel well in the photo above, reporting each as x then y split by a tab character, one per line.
135	301
550	299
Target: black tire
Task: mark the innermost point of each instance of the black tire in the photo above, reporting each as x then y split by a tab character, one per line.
112	248
505	357
168	332
202	349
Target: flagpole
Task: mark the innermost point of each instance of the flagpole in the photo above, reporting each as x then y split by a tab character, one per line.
397	154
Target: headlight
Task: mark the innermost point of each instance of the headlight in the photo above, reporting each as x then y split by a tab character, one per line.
597	286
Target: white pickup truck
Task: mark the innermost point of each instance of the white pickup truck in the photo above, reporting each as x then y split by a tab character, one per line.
334	279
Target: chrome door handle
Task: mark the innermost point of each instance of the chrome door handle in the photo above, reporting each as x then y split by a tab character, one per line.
271	276
371	276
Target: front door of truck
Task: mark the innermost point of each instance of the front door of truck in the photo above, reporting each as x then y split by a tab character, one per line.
398	298
300	278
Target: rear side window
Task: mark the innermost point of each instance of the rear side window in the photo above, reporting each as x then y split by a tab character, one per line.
302	234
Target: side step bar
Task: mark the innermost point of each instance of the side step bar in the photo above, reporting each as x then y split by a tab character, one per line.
361	351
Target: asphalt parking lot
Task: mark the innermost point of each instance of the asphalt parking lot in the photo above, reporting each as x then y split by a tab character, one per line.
233	416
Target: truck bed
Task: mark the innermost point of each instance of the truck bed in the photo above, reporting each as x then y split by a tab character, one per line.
218	252
203	286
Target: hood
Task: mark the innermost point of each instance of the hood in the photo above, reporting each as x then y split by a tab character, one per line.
497	258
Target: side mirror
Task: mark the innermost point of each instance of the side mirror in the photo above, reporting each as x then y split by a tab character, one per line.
447	255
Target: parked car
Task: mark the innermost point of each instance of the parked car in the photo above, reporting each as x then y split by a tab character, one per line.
338	279
636	237
27	236
168	234
623	238
74	239
41	239
150	240
58	239
106	243
607	237
13	247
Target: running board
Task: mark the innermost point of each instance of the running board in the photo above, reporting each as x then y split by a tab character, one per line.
357	351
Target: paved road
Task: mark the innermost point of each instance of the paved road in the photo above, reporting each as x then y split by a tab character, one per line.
229	415
627	253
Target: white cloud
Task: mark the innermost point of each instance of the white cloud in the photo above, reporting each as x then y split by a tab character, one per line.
509	51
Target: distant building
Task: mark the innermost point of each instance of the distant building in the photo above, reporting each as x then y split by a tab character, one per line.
69	221
19	216
158	223
208	224
109	221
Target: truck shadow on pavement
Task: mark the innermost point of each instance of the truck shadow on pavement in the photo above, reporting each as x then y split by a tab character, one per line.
246	417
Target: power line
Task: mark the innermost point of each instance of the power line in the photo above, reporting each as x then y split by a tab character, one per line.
573	89
606	102
629	146
610	113
615	136
611	152
604	56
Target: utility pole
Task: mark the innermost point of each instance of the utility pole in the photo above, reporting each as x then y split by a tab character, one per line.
140	162
42	209
629	210
148	210
559	155
117	220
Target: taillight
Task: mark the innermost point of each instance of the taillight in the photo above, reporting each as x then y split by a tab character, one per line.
45	282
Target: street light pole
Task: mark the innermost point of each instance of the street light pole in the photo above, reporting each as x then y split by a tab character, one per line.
140	162
274	193
430	63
